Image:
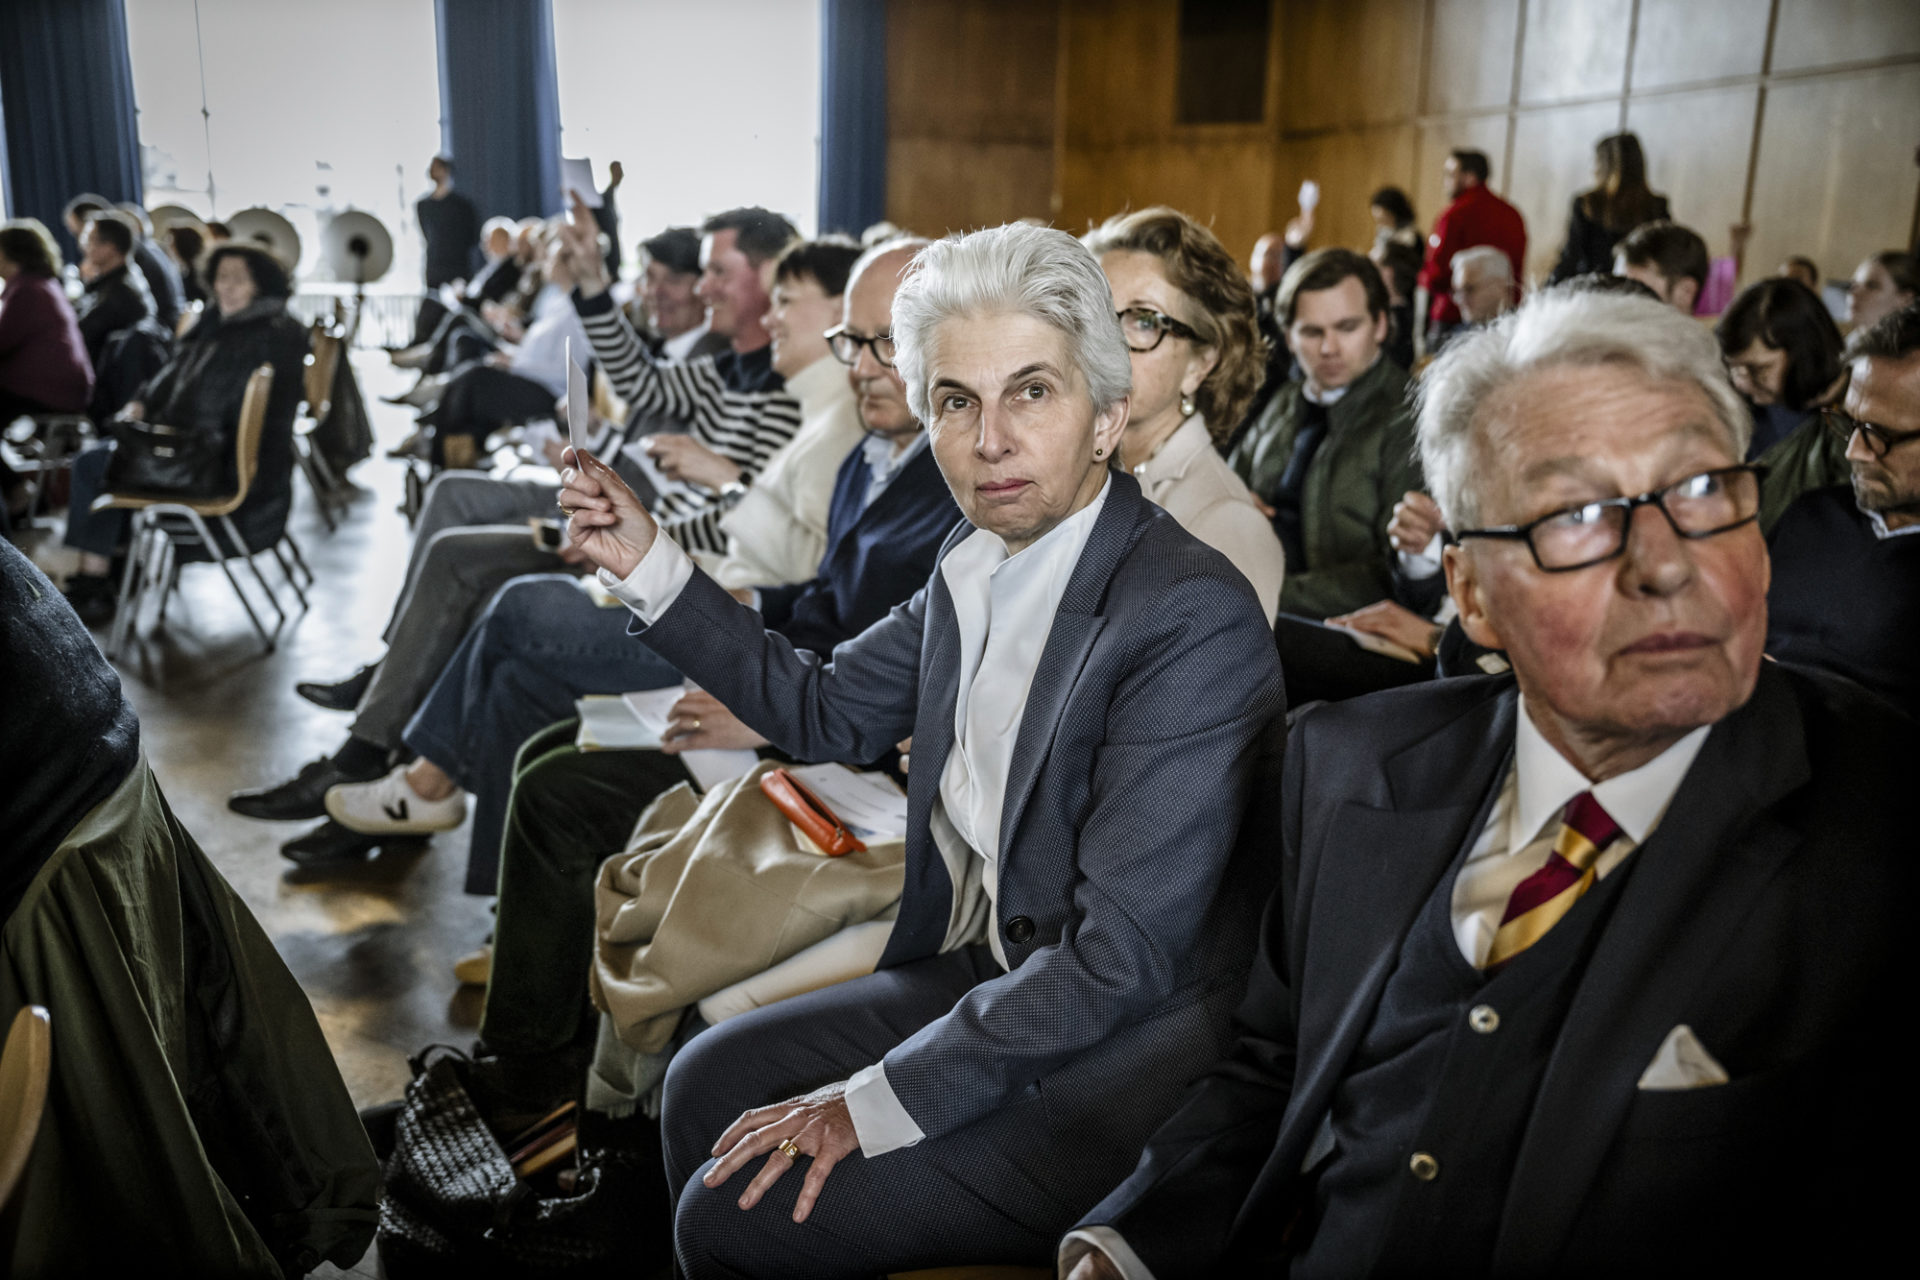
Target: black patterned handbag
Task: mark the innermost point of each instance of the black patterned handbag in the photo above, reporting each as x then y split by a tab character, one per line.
151	458
453	1206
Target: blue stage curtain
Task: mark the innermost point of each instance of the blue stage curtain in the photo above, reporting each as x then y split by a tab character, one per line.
66	92
500	104
853	114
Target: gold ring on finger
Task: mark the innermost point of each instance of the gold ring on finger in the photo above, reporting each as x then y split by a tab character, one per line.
695	726
789	1150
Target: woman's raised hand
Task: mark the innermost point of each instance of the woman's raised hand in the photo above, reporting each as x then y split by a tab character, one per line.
605	519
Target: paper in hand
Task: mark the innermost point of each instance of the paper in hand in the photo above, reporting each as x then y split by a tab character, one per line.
1309	194
576	174
578	408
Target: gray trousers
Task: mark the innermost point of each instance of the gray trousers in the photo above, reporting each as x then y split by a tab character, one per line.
1001	1190
471	539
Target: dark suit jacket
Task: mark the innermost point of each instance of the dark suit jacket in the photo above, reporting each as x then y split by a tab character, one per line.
117	300
1765	912
876	556
1123	895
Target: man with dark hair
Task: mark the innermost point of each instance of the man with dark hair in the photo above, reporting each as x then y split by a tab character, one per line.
666	303
1332	452
116	296
1473	216
1846	560
450	224
162	277
1669	259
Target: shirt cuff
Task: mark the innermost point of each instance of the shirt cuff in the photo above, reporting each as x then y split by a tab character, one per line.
1079	1244
655	583
1423	563
879	1121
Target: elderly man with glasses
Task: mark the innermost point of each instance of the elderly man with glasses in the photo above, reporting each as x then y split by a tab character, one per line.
1846	560
1581	969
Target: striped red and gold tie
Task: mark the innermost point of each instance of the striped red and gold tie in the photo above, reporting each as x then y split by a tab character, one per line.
1542	898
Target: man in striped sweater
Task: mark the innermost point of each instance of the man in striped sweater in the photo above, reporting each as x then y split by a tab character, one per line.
708	426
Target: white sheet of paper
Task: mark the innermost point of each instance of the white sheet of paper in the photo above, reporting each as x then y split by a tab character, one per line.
712	767
608	724
579	401
576	174
871	804
652	707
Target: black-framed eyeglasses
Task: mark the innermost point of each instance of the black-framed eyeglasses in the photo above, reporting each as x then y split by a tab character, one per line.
1577	537
1879	439
1144	328
845	345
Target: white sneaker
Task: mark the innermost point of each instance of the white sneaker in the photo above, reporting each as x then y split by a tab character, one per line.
388	807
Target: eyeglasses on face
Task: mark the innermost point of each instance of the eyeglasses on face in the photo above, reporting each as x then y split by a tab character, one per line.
1880	440
1577	537
845	345
1144	328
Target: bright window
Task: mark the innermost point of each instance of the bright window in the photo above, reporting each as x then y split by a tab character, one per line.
707	106
311	109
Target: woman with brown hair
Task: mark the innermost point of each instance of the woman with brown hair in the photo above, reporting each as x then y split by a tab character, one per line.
1188	317
1618	201
43	361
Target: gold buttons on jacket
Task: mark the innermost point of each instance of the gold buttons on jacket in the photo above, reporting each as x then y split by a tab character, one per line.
1424	1166
1484	1019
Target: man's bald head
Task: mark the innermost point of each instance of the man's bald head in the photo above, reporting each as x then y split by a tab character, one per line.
882	395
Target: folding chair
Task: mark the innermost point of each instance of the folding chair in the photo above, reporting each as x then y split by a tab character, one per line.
24	1067
40	453
152	554
323	363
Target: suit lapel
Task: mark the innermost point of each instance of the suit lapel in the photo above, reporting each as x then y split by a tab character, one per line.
1077	623
1372	874
1695	881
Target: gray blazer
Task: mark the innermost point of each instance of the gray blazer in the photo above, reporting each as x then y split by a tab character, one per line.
1126	891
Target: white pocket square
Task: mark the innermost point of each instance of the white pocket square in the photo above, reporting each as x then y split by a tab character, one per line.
1682	1063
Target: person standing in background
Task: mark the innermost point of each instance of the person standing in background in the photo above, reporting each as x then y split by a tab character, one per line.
1473	216
450	224
1618	201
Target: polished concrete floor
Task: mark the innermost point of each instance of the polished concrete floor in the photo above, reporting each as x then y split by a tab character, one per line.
373	946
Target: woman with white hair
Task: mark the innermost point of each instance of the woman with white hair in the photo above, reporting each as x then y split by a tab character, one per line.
1090	692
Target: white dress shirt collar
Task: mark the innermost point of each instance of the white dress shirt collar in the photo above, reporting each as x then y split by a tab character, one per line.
1636	799
676	349
1881	530
885	461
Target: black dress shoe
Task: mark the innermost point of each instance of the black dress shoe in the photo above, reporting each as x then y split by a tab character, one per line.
341	695
302	796
93	596
327	843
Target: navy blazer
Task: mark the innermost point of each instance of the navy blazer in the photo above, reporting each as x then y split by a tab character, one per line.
876	556
1126	890
1768	912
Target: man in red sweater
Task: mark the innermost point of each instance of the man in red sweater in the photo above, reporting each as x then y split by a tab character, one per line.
1473	216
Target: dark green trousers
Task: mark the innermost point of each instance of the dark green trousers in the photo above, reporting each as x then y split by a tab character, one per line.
568	811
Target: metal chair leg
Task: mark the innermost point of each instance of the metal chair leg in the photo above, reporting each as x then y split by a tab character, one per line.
292	581
214	550
129	602
294	549
273	597
322	495
167	579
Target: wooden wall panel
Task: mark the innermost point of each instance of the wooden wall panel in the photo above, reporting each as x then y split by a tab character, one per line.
1349	166
1694	156
1349	62
1122	58
1470	60
1552	159
1823	33
1835	178
1223	183
1688	41
1574	49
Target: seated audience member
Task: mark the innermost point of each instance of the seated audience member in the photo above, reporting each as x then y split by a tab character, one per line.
115	296
730	409
1846	560
195	1123
499	298
1332	452
1393	219
1783	351
1078	909
200	390
1473	216
1619	201
514	385
1803	269
1882	285
570	809
184	245
1483	286
1188	320
541	643
1272	255
1399	266
1669	259
43	359
666	296
1485	1034
150	262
